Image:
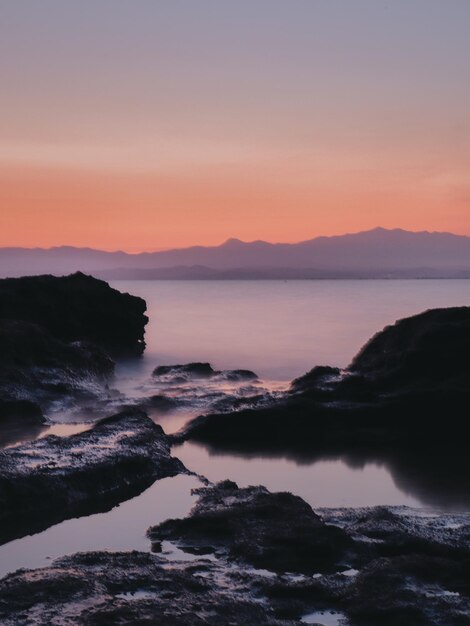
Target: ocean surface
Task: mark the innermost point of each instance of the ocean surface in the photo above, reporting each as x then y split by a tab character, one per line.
280	330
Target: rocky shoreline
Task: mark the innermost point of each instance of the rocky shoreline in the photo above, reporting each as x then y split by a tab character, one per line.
56	478
255	557
250	556
58	339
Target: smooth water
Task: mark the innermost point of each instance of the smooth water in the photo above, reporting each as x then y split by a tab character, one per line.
280	330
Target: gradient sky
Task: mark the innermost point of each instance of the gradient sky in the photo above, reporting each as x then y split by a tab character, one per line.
147	124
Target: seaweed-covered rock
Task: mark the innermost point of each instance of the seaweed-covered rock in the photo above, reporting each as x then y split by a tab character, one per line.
277	531
197	371
77	308
56	478
133	588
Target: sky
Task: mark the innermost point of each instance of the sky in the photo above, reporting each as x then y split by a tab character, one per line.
150	124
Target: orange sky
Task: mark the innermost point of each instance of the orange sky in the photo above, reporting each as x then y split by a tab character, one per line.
280	121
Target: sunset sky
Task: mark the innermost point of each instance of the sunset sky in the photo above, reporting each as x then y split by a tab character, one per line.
148	124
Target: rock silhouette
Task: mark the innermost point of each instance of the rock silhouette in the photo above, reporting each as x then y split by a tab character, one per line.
409	384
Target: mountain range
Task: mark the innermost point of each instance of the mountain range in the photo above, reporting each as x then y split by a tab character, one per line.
377	253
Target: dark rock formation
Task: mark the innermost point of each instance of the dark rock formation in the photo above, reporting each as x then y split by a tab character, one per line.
55	338
37	369
409	384
192	370
390	566
56	478
382	565
276	531
135	589
195	371
77	308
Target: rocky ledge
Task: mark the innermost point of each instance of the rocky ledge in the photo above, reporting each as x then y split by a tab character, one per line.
395	392
56	338
360	567
56	478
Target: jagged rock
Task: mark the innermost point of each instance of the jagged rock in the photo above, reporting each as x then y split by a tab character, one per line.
77	308
133	588
56	478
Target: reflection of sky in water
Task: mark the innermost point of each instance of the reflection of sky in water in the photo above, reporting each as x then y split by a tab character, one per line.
123	528
325	483
279	330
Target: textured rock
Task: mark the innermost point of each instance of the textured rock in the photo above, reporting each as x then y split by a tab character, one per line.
56	478
397	566
37	369
277	531
195	371
133	588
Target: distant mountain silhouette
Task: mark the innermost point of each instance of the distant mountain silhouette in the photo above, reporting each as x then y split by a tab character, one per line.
370	254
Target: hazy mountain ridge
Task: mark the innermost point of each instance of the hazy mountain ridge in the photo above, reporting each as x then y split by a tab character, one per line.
370	254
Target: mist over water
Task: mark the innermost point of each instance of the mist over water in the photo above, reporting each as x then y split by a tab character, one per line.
279	329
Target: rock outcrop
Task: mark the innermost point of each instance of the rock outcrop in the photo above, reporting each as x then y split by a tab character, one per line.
56	338
195	371
276	531
132	588
409	384
56	478
77	308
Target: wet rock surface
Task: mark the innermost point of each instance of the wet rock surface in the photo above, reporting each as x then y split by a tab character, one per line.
56	478
395	391
194	371
56	338
37	370
390	565
381	565
274	531
97	589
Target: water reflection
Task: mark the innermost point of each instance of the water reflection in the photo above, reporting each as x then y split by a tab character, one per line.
122	528
435	478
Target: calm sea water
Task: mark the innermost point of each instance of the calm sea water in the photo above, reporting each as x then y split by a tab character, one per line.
280	330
